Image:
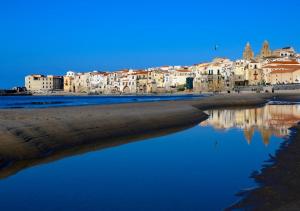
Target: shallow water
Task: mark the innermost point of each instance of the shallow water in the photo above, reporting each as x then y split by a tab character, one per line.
61	101
201	168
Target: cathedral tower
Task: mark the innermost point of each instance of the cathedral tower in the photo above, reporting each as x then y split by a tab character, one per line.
265	50
248	54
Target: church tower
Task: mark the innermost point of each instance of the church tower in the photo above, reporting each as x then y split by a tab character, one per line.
248	54
265	50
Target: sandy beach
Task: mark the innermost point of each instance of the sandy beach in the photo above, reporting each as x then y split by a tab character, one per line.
33	136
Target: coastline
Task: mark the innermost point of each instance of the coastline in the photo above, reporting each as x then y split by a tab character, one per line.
36	136
278	180
32	136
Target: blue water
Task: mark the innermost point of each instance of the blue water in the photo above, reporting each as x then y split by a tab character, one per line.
201	168
60	101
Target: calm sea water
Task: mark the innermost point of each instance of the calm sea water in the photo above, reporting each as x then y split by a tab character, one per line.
59	101
201	168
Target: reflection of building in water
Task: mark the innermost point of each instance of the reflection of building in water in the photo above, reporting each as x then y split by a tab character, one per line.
269	120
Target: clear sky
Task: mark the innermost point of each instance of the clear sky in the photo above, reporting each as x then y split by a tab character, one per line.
51	37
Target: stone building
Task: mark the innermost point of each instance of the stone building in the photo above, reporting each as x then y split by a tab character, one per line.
69	85
239	70
142	81
281	72
128	83
248	54
265	50
37	83
285	52
82	82
98	82
290	75
254	73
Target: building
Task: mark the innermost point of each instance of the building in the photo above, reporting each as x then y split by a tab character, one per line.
220	75
128	83
265	50
281	72
285	75
167	81
141	81
98	82
82	82
157	76
42	83
254	73
200	79
239	72
179	76
285	52
248	54
69	85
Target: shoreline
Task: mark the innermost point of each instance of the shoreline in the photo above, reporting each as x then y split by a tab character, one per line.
278	180
32	137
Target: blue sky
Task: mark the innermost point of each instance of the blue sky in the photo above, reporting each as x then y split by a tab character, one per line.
51	37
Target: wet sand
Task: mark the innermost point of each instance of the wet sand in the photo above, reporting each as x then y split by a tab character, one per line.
279	184
34	136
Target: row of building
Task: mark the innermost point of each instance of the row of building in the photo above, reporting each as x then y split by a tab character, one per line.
281	66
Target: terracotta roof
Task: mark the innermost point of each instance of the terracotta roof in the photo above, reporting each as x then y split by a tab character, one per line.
290	70
124	70
285	62
282	66
142	72
183	70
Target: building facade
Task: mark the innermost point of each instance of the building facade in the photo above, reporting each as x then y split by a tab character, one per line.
42	83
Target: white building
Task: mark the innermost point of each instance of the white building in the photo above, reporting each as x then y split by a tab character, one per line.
128	83
98	82
178	76
82	82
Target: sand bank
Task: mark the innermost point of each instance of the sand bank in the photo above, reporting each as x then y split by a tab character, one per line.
33	136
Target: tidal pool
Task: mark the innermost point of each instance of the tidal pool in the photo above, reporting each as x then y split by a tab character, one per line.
201	168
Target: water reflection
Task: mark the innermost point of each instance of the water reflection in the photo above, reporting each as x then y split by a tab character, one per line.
268	120
16	156
178	168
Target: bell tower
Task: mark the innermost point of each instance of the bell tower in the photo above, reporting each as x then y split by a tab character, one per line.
265	50
248	54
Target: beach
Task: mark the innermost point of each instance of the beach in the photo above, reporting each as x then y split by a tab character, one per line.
34	136
40	133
